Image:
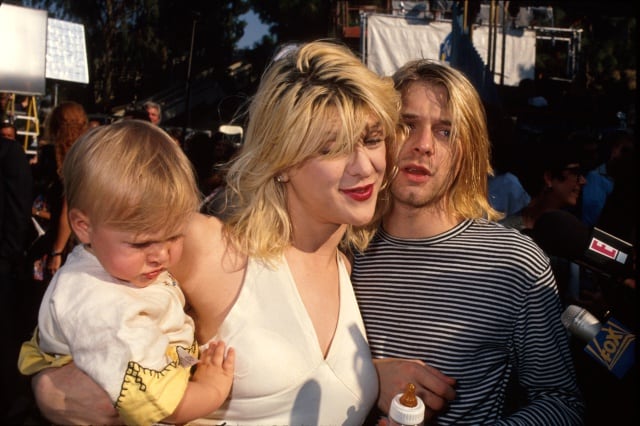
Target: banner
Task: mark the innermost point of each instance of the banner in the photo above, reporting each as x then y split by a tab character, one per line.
391	41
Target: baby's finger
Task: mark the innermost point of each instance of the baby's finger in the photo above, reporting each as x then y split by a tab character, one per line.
206	356
217	355
229	360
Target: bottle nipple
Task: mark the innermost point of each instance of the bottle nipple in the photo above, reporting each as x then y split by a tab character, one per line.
408	398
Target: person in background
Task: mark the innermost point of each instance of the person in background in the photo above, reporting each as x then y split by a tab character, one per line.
7	129
273	279
113	307
554	179
15	222
444	290
63	126
506	193
154	110
5	99
93	123
600	181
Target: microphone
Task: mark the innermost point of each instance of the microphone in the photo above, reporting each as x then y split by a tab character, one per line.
559	233
611	344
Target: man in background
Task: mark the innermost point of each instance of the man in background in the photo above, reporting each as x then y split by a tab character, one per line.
154	110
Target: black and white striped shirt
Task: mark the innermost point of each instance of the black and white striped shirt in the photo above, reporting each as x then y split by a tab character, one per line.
479	303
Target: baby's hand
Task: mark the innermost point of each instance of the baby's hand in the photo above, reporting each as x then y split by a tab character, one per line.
215	369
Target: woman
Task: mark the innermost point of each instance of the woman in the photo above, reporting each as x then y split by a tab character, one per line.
273	280
63	126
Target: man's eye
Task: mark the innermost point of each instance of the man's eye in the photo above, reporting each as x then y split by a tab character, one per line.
444	133
410	126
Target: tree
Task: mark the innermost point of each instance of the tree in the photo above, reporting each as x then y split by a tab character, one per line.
295	20
136	47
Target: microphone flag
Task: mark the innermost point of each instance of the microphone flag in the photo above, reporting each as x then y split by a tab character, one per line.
614	347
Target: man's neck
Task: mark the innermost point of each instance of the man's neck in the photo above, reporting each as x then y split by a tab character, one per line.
404	221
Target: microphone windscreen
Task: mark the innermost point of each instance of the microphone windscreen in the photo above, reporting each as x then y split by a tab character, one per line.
580	322
560	233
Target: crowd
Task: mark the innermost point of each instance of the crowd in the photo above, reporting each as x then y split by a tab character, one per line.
370	232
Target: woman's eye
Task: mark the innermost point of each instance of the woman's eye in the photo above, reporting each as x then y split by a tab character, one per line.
373	141
326	149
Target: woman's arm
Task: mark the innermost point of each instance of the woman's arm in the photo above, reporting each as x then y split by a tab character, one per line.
66	395
64	232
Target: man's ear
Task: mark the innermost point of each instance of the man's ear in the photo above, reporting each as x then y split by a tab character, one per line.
80	225
548	180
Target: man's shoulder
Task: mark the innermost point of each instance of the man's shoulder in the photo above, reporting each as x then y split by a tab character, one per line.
10	147
511	240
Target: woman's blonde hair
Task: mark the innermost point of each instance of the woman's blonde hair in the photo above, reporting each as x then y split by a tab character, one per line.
66	122
132	176
303	94
466	191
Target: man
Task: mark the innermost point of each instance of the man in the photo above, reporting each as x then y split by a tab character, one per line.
154	112
15	220
7	130
443	284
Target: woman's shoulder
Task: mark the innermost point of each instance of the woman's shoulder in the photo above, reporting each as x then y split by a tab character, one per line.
207	249
202	228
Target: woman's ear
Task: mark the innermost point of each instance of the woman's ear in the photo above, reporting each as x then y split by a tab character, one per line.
80	224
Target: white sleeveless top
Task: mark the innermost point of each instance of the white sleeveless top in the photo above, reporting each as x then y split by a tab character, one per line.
281	376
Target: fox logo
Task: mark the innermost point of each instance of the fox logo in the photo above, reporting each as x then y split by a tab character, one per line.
614	347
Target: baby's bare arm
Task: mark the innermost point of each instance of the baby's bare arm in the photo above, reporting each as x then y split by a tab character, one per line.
209	386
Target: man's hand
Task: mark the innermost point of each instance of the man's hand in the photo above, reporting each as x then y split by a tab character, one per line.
66	395
435	388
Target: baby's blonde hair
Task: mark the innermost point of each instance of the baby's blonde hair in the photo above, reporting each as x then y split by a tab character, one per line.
132	176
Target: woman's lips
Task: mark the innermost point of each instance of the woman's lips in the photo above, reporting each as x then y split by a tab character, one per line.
361	193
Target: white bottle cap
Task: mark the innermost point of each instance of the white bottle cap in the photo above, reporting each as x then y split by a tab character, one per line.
406	415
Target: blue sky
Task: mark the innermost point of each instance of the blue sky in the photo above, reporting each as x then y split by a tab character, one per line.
254	30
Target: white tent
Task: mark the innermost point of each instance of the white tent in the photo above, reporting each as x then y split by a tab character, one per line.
390	41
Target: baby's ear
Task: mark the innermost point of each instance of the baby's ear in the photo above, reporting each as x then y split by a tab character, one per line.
81	225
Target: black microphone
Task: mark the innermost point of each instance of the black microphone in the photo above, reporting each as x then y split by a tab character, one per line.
560	233
611	344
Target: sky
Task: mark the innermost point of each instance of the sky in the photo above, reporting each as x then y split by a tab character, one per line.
254	30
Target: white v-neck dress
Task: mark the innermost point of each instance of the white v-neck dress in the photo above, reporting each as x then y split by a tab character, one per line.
281	376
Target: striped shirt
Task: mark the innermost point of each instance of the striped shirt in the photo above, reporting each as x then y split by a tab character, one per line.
480	303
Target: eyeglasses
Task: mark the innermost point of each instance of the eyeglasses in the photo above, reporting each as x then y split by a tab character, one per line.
575	171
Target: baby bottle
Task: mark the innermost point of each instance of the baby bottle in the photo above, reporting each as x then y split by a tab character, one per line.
406	409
